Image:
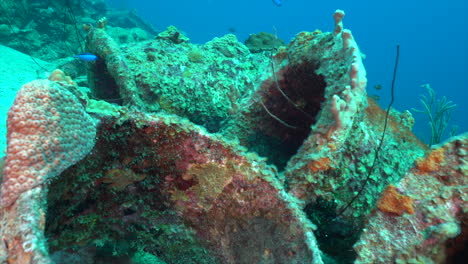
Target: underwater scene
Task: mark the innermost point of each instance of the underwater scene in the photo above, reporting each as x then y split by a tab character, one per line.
237	132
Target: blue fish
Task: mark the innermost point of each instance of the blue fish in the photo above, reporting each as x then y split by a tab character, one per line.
278	2
86	56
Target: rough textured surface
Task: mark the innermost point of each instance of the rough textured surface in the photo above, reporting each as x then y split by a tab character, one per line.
263	41
438	189
280	181
232	200
124	88
46	31
204	83
48	131
22	229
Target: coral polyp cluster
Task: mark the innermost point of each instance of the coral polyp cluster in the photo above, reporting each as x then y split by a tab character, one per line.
48	131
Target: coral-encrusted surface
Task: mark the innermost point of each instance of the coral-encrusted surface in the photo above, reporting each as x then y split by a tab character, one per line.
200	82
48	131
293	175
329	186
427	235
152	173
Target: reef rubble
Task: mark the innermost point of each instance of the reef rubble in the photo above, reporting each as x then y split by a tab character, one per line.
185	153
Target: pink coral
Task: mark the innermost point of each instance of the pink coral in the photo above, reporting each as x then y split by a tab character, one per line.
48	130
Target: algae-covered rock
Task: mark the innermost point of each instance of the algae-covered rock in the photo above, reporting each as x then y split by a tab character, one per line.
263	41
184	204
173	34
228	46
200	82
433	230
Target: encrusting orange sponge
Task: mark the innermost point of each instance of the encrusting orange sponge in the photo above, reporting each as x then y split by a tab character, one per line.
431	162
395	203
321	164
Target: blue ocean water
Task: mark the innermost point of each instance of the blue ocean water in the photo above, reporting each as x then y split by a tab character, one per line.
433	36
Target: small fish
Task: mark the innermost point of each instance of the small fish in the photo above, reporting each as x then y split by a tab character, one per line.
378	86
278	2
86	56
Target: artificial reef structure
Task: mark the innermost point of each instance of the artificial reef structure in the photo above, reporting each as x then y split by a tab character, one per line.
184	153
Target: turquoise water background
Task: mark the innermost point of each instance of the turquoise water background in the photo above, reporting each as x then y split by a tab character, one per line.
433	36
